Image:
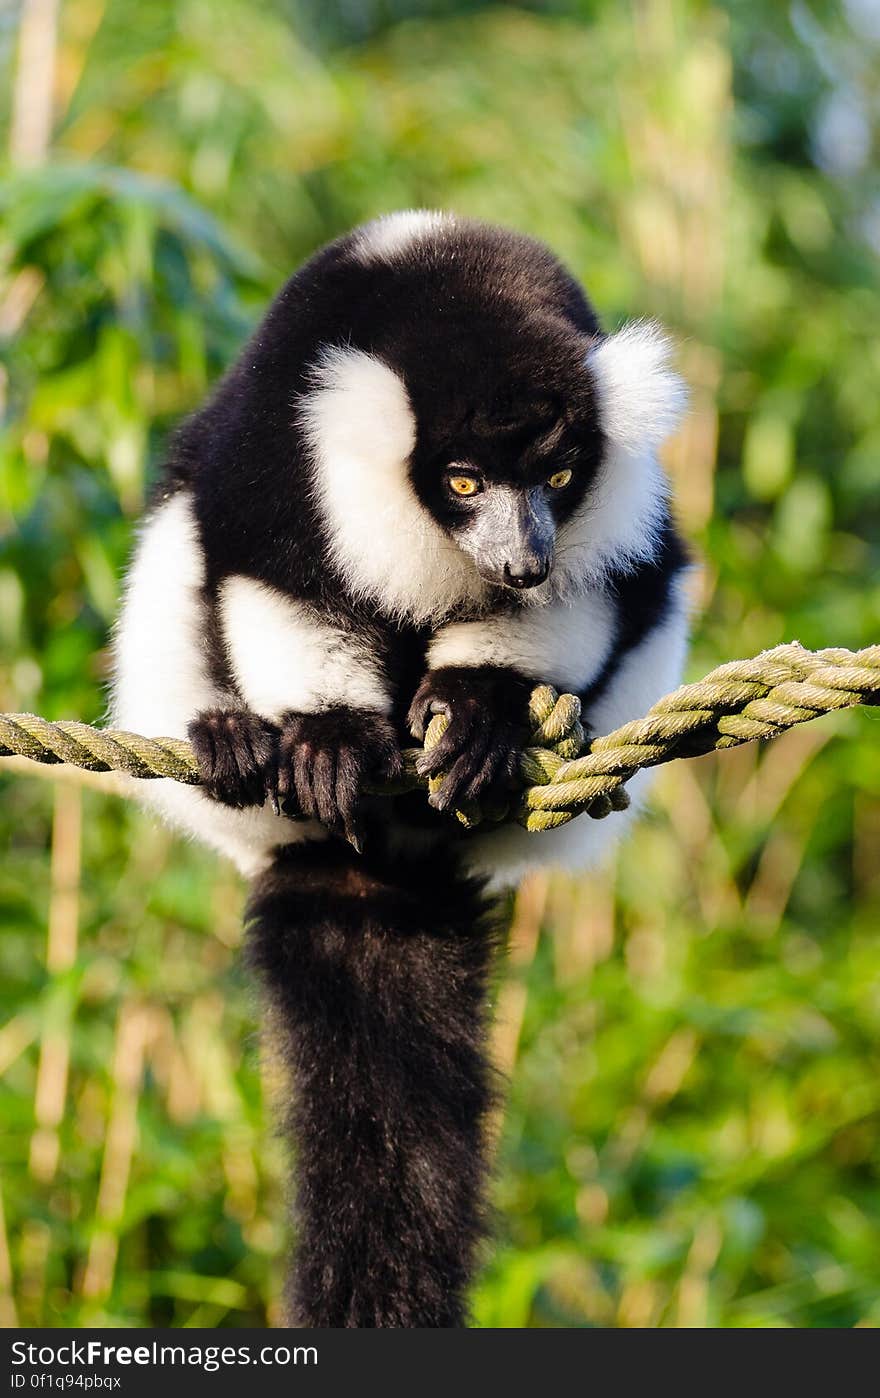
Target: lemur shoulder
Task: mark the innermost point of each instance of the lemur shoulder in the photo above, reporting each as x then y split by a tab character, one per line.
429	482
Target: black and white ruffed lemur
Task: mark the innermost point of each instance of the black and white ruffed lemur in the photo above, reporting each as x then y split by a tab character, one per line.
429	482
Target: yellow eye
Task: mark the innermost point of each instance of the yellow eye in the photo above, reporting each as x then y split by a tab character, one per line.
559	480
463	485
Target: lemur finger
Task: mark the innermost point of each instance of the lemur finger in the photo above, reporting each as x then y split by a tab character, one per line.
459	735
235	750
419	714
426	703
324	788
263	739
284	779
451	792
460	774
348	793
249	767
291	772
495	769
302	771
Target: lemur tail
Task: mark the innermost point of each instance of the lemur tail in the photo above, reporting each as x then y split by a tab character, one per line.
376	972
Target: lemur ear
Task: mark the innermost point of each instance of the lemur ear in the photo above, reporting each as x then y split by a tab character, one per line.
642	399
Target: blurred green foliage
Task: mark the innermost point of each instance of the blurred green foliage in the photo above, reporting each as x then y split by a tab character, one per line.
693	1040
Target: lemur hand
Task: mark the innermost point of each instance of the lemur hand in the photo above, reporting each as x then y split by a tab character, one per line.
487	707
324	760
237	755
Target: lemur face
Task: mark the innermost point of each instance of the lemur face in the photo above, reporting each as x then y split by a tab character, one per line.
509	466
503	499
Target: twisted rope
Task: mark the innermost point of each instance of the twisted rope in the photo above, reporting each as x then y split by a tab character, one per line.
739	702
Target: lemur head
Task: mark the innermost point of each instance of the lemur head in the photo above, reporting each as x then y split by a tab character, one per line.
475	433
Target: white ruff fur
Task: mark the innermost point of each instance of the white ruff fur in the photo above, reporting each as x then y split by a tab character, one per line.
640	402
284	657
564	644
392	234
161	682
650	670
642	397
386	546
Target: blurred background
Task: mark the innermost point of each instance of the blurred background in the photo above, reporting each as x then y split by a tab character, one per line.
693	1039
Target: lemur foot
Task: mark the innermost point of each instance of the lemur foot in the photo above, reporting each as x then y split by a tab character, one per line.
237	755
325	759
487	707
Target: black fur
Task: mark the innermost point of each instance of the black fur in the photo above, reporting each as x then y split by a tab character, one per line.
376	976
310	766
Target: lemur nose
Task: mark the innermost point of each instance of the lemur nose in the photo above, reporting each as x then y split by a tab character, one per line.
530	574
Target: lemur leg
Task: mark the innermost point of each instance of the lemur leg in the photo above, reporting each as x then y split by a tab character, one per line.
376	974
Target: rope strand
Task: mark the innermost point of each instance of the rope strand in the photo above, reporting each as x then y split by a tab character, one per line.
739	702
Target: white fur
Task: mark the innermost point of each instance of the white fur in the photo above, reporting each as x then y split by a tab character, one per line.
160	676
161	682
392	234
642	398
617	524
285	657
640	401
650	670
564	644
361	429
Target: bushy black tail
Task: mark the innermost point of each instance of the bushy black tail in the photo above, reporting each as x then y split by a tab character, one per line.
376	971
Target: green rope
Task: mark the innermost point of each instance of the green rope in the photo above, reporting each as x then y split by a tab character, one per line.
561	777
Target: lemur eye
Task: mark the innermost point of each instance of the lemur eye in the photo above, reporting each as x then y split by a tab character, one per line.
559	480
463	485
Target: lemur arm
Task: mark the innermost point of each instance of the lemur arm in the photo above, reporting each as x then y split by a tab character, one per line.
314	719
480	673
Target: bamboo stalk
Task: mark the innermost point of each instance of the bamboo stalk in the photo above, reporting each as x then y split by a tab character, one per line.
8	1313
133	1030
54	1060
693	1289
510	1011
33	101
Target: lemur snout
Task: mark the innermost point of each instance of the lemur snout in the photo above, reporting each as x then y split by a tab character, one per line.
526	574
